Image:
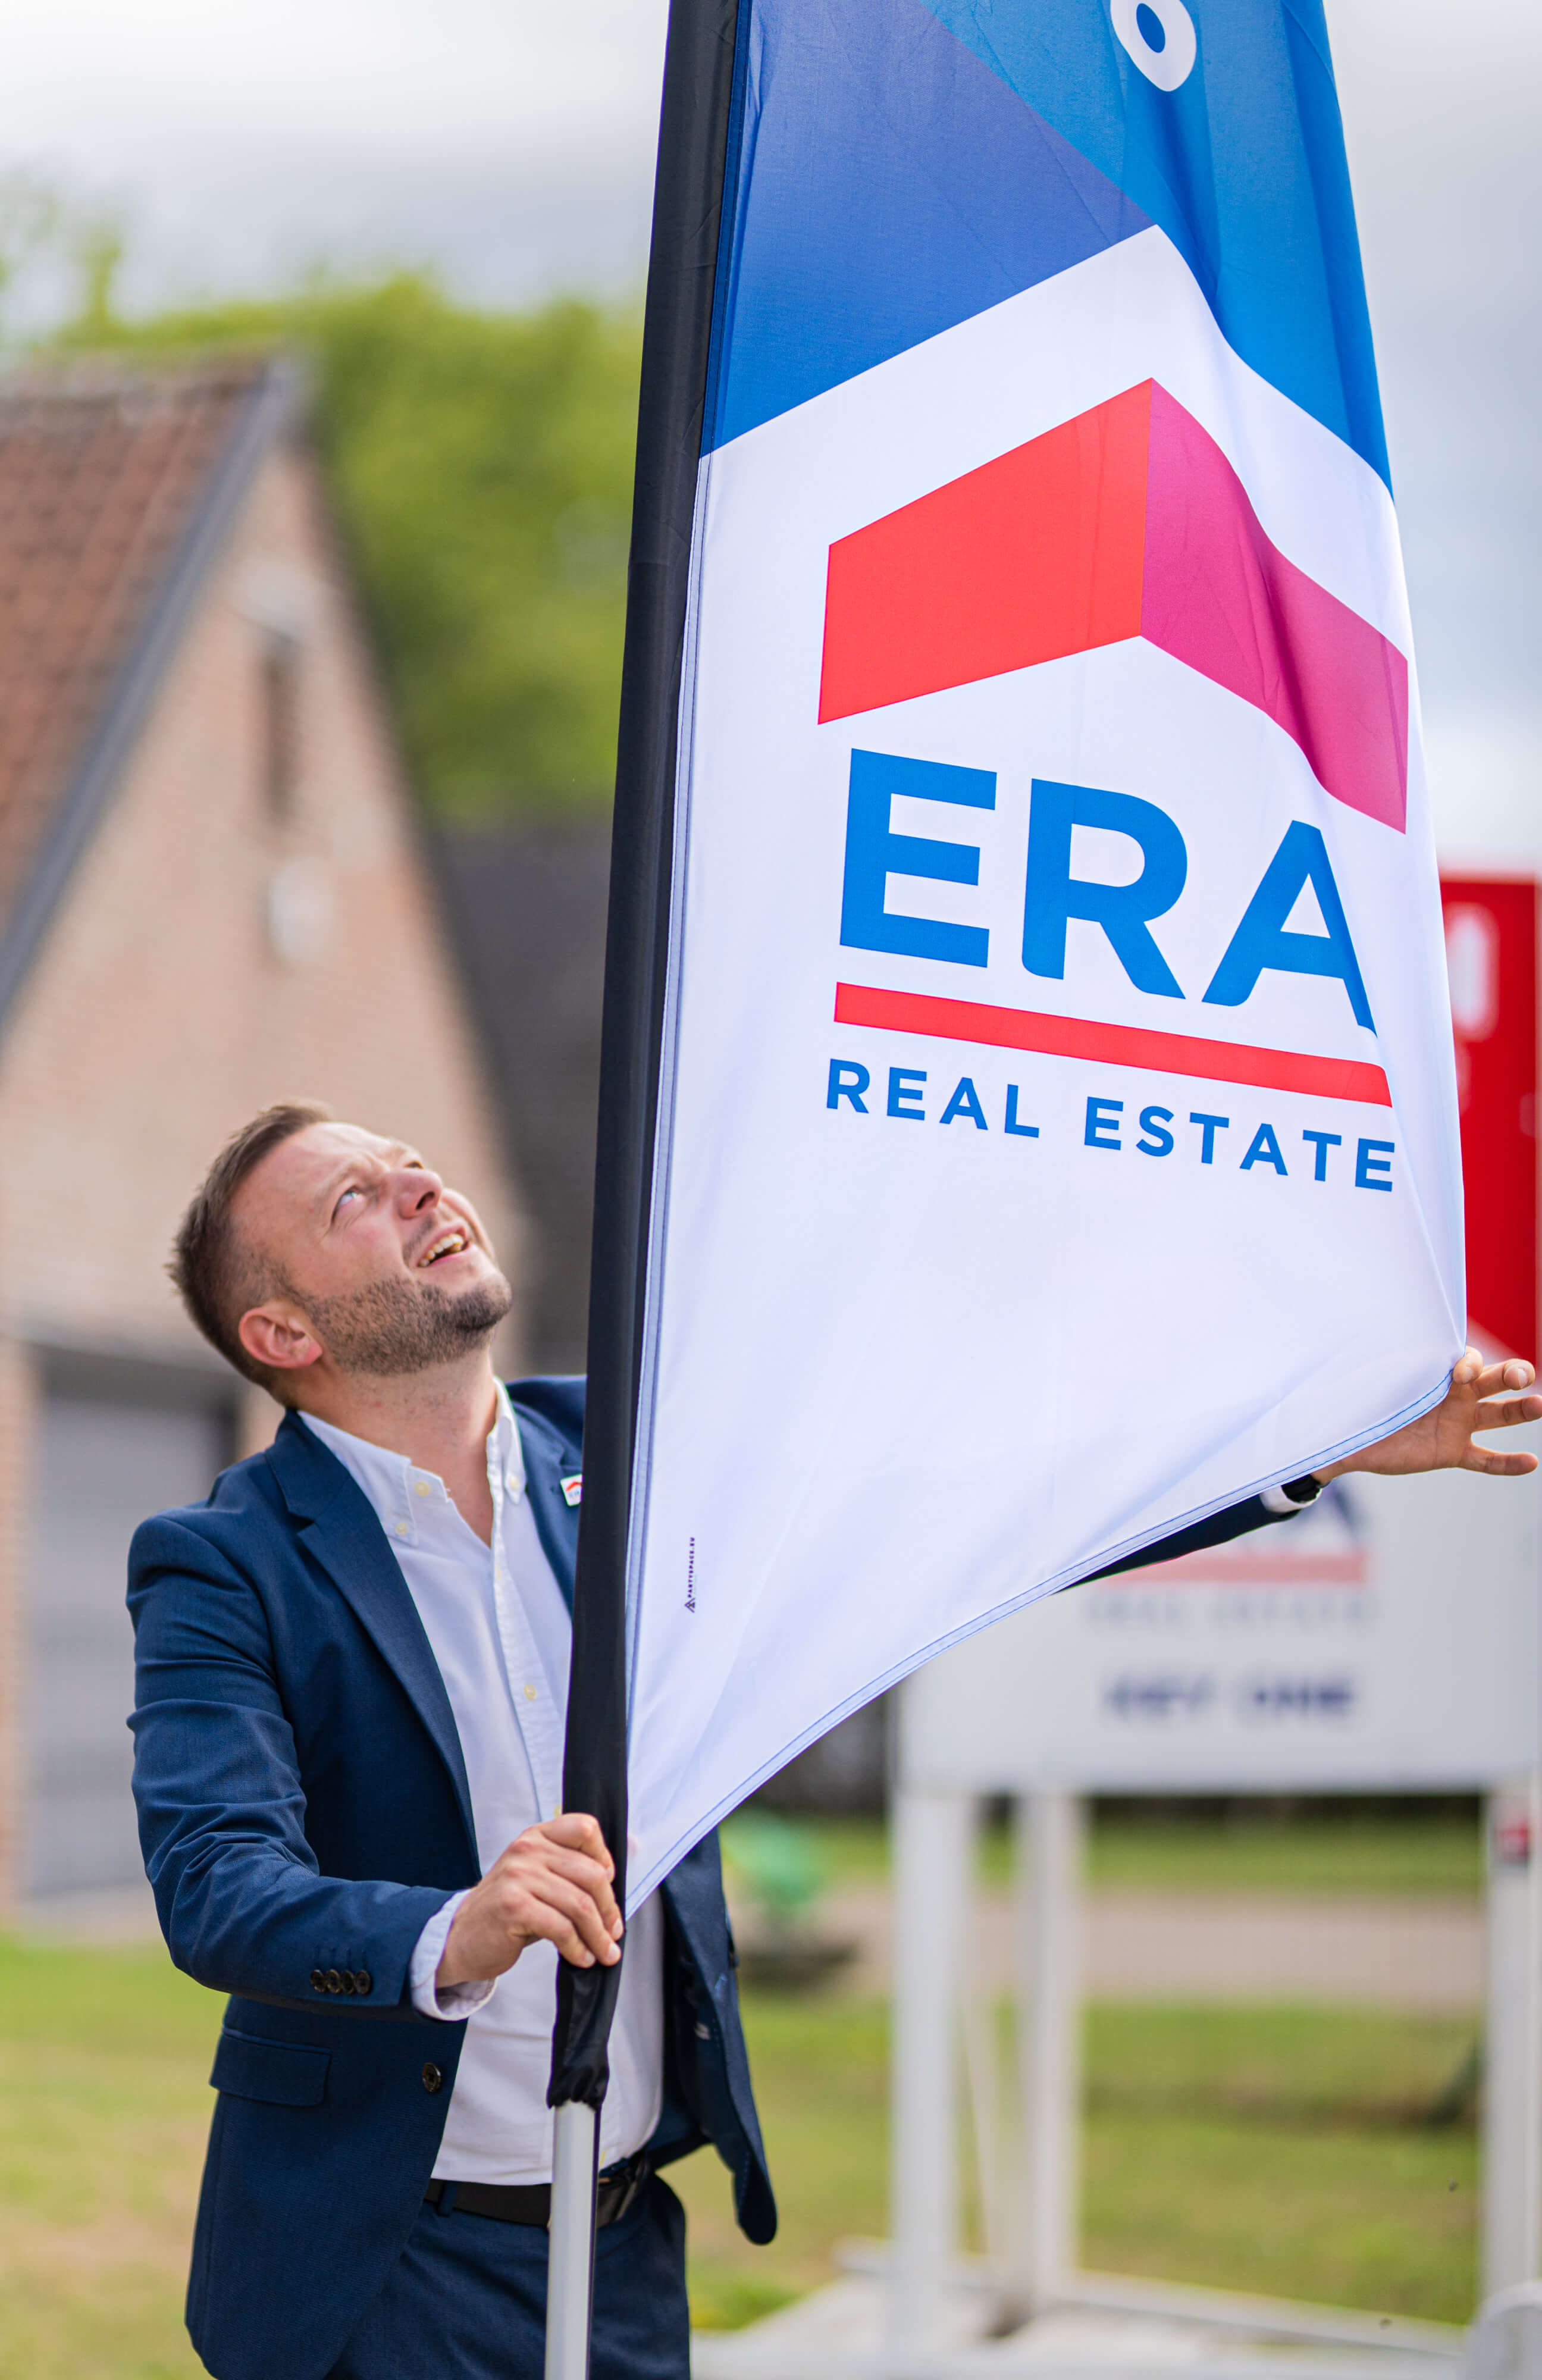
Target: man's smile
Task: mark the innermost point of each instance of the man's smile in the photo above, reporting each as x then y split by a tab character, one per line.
454	1242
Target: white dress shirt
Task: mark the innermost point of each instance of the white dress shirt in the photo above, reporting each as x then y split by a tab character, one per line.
500	1632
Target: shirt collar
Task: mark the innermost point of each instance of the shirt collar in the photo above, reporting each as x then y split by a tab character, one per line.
387	1478
505	1448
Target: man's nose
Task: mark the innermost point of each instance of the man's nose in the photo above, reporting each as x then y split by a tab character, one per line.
418	1189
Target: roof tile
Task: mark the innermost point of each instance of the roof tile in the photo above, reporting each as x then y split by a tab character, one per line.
101	470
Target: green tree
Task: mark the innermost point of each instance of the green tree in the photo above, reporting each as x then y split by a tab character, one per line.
481	465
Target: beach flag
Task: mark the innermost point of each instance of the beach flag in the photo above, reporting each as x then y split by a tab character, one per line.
1029	1121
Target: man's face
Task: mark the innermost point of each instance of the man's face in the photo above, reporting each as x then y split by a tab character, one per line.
366	1249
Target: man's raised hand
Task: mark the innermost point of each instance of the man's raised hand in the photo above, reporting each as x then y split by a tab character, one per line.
1441	1439
553	1884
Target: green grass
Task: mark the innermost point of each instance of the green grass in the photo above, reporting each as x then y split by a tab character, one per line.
1254	1854
1287	2151
1282	2151
104	2106
822	2083
1260	1856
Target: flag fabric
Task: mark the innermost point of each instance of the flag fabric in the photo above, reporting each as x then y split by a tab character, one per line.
1053	1135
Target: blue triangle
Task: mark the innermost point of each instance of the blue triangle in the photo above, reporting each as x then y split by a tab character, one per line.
885	185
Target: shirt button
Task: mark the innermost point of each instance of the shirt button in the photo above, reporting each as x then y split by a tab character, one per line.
421	1488
404	1528
529	1694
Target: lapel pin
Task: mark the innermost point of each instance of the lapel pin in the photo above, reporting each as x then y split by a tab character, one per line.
573	1488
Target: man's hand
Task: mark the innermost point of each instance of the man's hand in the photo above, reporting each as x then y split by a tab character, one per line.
551	1884
1441	1439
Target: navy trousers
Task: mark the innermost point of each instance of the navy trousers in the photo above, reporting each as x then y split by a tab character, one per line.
468	2301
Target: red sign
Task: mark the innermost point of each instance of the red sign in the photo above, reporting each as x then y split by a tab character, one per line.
1491	935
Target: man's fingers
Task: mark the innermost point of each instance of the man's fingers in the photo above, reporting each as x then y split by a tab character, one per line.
563	1909
1506	1417
1494	1379
572	1924
577	1831
590	1877
1497	1467
567	1942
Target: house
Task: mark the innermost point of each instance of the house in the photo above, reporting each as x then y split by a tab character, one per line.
213	895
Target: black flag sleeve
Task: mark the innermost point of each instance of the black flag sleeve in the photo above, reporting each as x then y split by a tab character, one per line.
693	135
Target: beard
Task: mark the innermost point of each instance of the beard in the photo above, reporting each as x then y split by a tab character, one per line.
401	1326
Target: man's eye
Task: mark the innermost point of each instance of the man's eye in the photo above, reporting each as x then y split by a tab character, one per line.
343	1200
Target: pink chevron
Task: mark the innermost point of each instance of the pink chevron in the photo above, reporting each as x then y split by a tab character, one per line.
1127	521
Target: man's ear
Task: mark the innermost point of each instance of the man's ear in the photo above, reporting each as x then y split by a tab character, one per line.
278	1337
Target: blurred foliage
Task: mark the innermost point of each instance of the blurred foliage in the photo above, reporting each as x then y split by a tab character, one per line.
776	1863
480	466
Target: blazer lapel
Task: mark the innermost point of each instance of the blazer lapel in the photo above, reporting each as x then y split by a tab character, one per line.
336	1522
548	1461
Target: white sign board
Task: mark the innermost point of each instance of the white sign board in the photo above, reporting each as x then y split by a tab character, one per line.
1388	1639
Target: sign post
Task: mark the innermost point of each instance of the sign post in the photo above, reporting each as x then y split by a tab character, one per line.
1512	2060
1047	1888
933	1846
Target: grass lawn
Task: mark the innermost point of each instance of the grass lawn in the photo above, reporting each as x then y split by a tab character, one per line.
1251	1854
1278	2150
105	2107
1283	2150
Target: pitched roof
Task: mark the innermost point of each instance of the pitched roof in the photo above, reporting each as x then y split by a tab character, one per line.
117	484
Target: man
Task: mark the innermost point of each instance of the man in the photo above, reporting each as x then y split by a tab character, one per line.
352	1679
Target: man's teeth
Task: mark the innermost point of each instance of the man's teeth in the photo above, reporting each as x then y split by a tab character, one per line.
452	1244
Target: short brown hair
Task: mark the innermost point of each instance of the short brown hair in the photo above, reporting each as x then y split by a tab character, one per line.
219	1280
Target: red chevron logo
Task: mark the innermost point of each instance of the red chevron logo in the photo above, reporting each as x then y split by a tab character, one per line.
1128	521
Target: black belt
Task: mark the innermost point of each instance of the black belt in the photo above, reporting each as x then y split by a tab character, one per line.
530	2202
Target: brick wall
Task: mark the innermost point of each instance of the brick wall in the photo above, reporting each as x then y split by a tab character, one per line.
216	952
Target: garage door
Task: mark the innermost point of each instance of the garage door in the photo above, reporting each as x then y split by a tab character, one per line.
101	1466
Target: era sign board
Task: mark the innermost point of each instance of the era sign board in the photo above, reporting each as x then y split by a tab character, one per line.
1387	1638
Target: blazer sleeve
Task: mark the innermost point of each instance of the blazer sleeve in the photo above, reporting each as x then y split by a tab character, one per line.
1219	1530
241	1900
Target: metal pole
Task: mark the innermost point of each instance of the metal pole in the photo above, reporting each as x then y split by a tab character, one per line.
570	2256
1512	2063
933	1841
1048	1882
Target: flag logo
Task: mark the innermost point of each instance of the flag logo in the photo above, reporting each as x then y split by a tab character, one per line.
1127	521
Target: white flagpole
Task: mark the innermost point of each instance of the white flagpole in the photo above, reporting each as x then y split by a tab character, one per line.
570	2262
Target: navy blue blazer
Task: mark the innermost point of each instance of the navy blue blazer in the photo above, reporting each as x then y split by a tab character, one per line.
303	1806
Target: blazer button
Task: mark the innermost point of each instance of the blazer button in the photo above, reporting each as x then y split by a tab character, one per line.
432	2079
318	1981
333	1980
346	1979
364	1983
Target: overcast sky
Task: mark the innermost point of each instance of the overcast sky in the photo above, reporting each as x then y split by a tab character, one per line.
510	145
